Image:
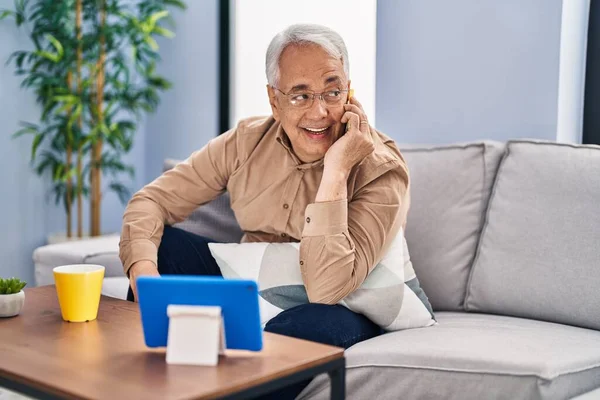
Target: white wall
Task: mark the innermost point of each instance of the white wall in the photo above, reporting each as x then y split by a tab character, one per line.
462	70
27	215
187	117
571	86
254	24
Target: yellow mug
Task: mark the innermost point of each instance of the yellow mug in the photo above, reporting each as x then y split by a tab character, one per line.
78	287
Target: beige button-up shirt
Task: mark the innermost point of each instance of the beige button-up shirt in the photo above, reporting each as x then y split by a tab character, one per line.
273	197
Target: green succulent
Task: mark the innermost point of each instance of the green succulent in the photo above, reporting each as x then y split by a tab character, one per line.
10	286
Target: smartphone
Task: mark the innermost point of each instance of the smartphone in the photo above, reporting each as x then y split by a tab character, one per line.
350	94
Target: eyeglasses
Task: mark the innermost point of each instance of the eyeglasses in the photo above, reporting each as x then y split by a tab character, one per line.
302	100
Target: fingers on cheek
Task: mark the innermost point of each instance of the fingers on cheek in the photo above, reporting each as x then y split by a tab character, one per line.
355	102
354	109
349	115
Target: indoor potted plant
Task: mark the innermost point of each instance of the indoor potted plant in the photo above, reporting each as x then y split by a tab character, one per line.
93	68
12	296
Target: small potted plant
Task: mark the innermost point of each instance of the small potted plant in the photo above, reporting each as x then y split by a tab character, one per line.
12	296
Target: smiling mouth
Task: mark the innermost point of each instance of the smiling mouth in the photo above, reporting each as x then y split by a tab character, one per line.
317	133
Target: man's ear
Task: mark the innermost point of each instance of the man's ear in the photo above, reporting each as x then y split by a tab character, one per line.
273	101
349	81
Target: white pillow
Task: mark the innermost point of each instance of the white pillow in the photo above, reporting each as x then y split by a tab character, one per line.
391	295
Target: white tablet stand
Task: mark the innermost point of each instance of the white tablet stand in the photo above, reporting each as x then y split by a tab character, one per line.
196	335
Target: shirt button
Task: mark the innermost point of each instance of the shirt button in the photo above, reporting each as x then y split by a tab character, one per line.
301	262
308	219
286	206
283	235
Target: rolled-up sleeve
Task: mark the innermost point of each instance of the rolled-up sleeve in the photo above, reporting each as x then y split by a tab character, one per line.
324	219
343	240
173	196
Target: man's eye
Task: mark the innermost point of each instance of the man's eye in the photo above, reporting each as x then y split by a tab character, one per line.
334	94
300	97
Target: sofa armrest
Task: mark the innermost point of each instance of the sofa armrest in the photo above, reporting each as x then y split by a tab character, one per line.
594	394
103	251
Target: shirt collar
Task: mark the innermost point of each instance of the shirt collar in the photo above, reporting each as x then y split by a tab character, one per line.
284	140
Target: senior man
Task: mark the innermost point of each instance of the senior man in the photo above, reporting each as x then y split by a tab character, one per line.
314	172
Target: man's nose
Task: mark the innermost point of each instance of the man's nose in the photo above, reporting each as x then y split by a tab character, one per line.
318	108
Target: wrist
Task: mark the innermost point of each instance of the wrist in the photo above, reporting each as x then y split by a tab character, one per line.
333	186
335	174
142	265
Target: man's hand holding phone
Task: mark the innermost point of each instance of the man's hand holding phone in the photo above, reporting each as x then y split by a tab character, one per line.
355	144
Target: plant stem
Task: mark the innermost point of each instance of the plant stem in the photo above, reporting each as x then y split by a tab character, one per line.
97	145
69	160
78	23
79	194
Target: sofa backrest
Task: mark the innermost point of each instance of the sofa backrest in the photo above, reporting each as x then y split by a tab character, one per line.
450	188
214	220
539	254
520	239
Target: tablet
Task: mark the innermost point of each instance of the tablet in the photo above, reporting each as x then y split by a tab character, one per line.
237	298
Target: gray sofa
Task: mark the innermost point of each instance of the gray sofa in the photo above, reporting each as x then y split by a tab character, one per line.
505	239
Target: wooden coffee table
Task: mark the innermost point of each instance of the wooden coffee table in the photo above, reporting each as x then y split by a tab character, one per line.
42	356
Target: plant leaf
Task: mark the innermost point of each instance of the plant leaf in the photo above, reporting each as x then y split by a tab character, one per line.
6	13
12	285
48	162
20	7
152	43
159	30
58	172
47	55
57	45
122	191
66	98
25	131
154	18
37	140
72	120
176	3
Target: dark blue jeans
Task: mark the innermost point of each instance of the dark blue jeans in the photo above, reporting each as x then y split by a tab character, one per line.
184	253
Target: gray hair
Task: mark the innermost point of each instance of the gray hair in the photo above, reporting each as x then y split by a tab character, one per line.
302	34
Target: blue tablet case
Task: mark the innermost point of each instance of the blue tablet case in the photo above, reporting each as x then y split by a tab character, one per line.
237	298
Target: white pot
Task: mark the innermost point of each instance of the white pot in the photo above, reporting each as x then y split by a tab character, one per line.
11	304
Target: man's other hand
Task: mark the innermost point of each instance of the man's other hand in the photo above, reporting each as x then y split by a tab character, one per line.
141	268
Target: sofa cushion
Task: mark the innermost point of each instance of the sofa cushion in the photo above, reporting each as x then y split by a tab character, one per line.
539	255
115	287
391	295
102	250
450	187
214	220
472	356
593	395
